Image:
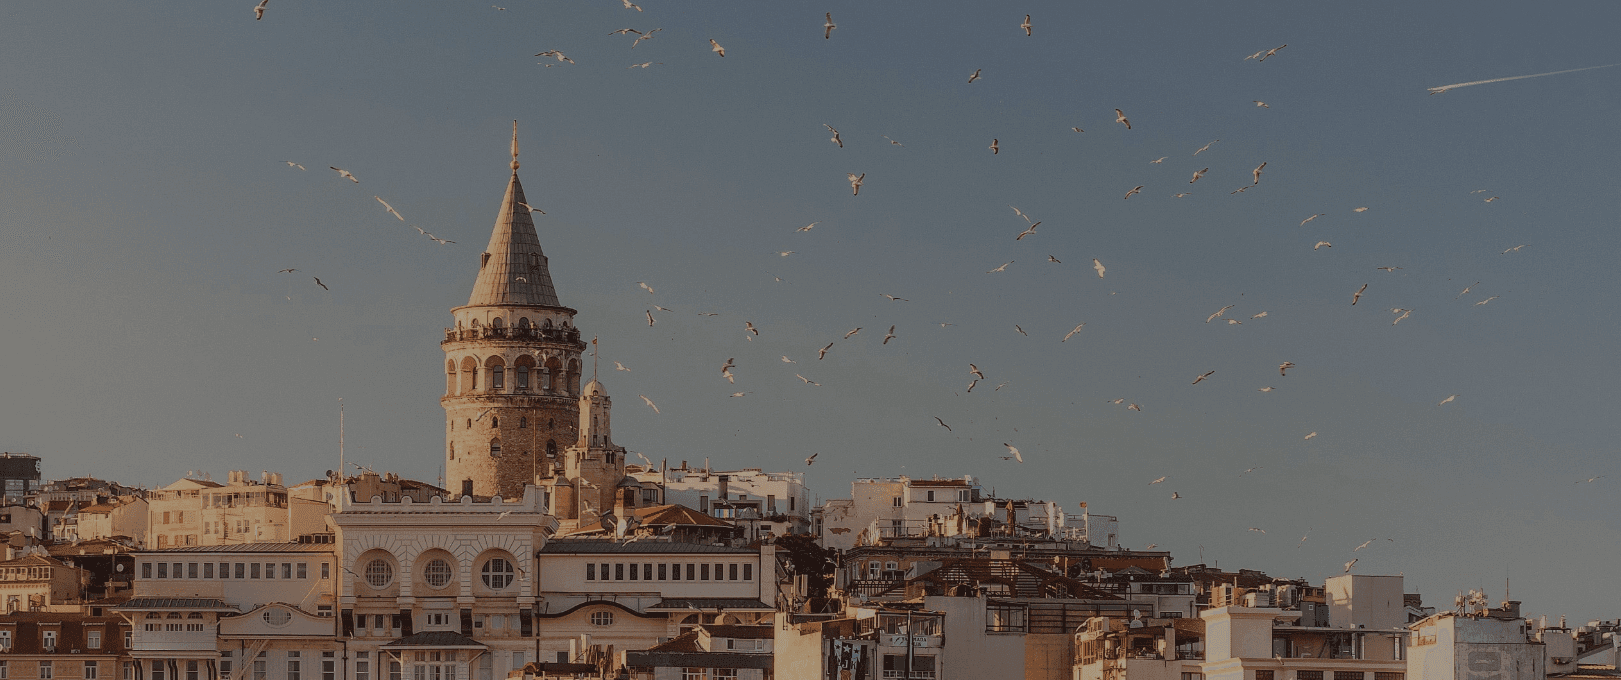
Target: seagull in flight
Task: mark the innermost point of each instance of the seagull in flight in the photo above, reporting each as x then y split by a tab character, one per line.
1027	232
1011	449
1515	248
1258	529
1257	316
808	226
1120	117
1313	217
1591	479
1020	213
1360	210
650	320
823	352
389	208
1098	266
1284	367
345	174
1020	330
555	53
1077	329
646	36
259	10
620	367
942	423
855	182
1387	269
650	403
738	394
749	326
286	271
645	287
1449	398
1270	53
1322	244
1026	25
1241	474
974	371
1054	259
808	381
971	384
1077	129
786	360
893	298
1358	294
1202	377
1159	160
1001	268
853	331
993	147
1489	200
1135	190
1205	148
889	336
716	48
786	253
1234	322
1198	174
1403	312
1466	290
623	31
1218	313
1266	389
291	164
828	27
644	64
631	5
1494	297
1185	193
531	208
891	141
1257	172
318	283
1364	544
1161	479
835	139
975	76
812	458
1135	407
1260	104
1309	436
1348	566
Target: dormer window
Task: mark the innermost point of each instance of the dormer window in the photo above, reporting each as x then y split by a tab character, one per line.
50	641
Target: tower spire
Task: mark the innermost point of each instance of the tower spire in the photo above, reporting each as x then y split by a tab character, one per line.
593	358
514	147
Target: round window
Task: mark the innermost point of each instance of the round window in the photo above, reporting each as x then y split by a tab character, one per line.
497	573
379	573
277	618
602	618
436	574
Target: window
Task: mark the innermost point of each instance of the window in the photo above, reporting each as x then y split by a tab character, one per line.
1308	675
703	572
497	573
590	571
731	572
1347	675
1380	675
253	570
663	575
1263	675
5	640
633	571
225	666
748	571
379	573
1005	619
191	670
208	570
329	666
92	640
486	667
50	642
362	665
326	570
47	670
394	670
129	639
146	570
436	574
225	570
191	570
897	501
602	618
438	619
163	570
293	663
619	572
1193	676
286	569
495	448
690	577
694	674
241	569
159	668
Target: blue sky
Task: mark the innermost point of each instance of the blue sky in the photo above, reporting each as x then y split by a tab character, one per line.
147	208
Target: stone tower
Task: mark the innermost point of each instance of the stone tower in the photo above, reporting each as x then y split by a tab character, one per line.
592	482
512	364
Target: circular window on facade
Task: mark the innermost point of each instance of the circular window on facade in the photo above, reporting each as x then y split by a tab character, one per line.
436	574
602	618
277	618
379	573
497	573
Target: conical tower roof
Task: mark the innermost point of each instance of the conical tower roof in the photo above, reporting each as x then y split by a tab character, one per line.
513	270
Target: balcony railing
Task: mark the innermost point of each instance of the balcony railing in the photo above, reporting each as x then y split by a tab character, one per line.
569	335
914	675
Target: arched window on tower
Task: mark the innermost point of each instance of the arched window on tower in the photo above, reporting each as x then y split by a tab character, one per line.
496	323
495	423
523	422
525	366
497	373
450	376
495	448
469	375
450	450
551	449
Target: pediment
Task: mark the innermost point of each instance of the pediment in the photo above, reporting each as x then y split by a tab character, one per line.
276	619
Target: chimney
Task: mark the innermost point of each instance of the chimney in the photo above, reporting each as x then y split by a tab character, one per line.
724	479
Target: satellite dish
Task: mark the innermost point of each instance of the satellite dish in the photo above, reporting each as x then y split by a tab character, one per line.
119	568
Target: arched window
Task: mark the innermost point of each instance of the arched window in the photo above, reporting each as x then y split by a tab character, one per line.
451	451
551	449
551	423
495	448
498	377
496	323
497	573
450	376
475	323
523	322
523	377
546	323
469	423
436	573
523	422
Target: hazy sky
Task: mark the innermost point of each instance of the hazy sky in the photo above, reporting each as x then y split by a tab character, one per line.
146	206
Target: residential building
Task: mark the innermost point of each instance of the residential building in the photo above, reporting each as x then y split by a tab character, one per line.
1480	643
37	583
1364	632
1139	648
890	642
708	652
763	503
28	521
19	476
881	509
120	517
63	646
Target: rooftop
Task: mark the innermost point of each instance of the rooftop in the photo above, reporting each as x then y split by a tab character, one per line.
573	546
245	548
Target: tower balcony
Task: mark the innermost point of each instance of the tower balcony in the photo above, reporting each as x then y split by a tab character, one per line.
514	333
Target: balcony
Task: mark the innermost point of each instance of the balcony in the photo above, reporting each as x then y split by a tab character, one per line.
561	335
914	675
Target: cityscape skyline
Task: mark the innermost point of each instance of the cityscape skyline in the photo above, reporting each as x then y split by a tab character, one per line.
151	326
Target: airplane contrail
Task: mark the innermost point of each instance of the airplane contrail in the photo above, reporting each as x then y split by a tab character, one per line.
1444	88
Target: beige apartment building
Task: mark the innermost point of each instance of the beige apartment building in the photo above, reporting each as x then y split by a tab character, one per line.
201	512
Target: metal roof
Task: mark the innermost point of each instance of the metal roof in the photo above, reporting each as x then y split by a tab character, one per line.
717	603
193	603
572	546
436	638
279	547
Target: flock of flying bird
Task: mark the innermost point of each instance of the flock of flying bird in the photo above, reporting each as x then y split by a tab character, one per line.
856	181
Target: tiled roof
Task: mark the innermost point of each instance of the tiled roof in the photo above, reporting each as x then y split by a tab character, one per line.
679	515
35	559
710	603
247	548
513	270
176	603
436	638
685	642
741	632
698	660
570	546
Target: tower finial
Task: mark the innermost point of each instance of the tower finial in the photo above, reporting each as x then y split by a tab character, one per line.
514	146
593	359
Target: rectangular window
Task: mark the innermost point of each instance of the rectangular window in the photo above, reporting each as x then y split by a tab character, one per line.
191	570
129	639
703	504
329	666
930	496
50	641
225	665
303	570
177	567
286	569
662	573
165	518
1380	675
690	569
253	570
241	570
519	660
897	501
326	570
129	670
1193	676
720	572
633	570
179	517
675	571
208	570
1263	675
192	670
703	572
1308	675
1347	675
158	669
293	669
394	670
748	571
647	572
258	668
47	670
270	570
163	570
225	570
731	572
791	503
362	665
92	640
619	572
146	570
5	670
